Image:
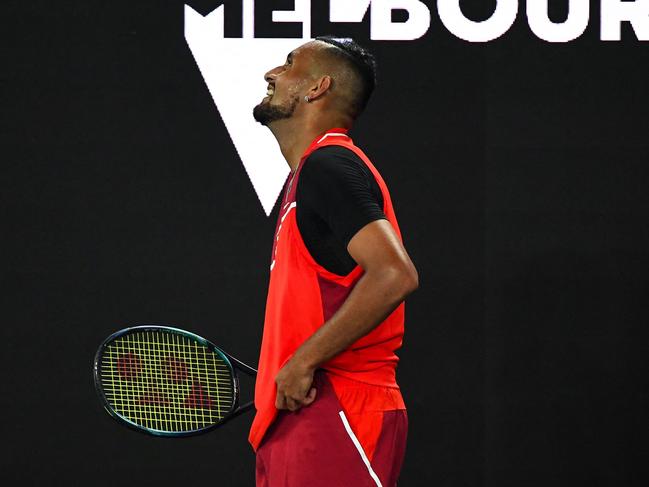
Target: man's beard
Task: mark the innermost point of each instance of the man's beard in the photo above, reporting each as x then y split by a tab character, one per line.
266	113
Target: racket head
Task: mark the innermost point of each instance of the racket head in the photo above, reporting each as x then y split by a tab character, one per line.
165	381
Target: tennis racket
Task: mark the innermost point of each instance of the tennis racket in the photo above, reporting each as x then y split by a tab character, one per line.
168	382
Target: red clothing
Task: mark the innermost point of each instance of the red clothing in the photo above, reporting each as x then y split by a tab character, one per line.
302	295
316	447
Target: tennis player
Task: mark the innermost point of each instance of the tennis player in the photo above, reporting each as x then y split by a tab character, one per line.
329	410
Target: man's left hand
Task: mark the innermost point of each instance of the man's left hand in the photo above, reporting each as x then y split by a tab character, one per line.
294	386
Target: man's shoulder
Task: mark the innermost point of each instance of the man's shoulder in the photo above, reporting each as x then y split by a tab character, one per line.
332	161
332	153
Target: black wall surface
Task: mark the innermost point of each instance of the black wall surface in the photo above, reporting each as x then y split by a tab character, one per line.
519	174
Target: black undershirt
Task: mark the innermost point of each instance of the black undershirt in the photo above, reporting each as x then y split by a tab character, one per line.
336	196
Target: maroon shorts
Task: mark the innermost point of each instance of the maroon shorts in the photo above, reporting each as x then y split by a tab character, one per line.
316	447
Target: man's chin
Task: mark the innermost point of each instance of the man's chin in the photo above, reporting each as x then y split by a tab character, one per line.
261	113
265	113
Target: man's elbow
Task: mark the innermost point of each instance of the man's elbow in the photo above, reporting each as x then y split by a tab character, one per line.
410	279
405	280
397	279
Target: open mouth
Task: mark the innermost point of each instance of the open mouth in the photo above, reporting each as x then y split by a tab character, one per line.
270	91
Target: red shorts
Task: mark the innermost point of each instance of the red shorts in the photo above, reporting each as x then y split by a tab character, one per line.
316	447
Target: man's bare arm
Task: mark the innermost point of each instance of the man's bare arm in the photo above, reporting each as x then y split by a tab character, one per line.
389	276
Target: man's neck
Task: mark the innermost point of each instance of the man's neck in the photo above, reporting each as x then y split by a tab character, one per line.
294	137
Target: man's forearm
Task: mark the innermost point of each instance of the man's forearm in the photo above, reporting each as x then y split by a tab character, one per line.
374	297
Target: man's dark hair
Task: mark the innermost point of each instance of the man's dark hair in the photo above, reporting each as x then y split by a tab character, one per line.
362	63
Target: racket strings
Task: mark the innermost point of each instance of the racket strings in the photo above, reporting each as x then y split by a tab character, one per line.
165	381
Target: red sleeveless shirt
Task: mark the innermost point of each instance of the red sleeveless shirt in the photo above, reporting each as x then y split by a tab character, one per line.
302	295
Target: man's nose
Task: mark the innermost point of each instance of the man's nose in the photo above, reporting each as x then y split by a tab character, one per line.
272	74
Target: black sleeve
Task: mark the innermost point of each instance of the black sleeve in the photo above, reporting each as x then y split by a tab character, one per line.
336	193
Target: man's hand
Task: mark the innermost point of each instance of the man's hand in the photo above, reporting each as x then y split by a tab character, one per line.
294	382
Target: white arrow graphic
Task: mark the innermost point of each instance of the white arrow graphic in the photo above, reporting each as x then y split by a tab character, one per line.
233	70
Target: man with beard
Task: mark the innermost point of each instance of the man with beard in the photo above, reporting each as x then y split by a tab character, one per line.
329	410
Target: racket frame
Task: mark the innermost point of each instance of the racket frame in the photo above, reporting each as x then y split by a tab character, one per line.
232	363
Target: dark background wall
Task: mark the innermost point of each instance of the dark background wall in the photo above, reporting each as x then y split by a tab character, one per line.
519	173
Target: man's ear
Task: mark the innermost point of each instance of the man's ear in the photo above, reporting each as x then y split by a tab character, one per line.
321	86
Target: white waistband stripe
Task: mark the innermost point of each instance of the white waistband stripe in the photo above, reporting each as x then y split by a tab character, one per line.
358	446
